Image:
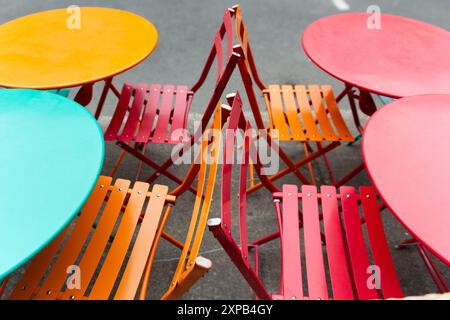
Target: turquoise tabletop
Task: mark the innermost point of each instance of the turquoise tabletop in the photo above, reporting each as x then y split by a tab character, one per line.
51	154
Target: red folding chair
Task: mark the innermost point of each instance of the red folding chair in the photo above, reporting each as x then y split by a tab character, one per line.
299	113
159	113
341	238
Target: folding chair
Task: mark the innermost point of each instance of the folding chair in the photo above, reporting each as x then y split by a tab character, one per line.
120	227
299	113
342	238
159	113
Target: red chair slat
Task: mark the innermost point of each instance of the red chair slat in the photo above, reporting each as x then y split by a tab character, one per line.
219	55
134	115
121	109
165	109
149	114
315	269
337	257
390	285
177	133
290	242
357	250
228	23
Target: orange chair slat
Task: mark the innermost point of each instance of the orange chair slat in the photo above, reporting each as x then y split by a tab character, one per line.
315	268
278	116
110	269
338	120
292	113
290	243
27	285
321	113
390	285
134	115
143	244
100	238
312	132
58	274
337	256
357	250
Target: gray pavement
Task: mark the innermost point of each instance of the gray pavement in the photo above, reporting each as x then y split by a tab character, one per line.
186	30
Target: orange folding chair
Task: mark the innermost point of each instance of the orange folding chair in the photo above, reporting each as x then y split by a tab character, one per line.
114	240
356	270
298	112
158	114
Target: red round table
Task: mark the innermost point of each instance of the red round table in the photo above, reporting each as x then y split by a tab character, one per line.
406	151
404	57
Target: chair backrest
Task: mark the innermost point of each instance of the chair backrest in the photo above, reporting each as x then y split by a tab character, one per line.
226	61
239	125
205	169
241	32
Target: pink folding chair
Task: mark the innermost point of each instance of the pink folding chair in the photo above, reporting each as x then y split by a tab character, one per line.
159	113
340	239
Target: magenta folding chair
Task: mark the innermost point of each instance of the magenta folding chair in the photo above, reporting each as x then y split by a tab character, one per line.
159	113
350	262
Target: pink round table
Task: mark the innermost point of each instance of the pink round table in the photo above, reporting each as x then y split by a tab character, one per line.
406	150
404	57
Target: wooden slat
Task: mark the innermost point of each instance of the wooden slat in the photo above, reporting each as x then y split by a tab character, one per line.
110	269
312	132
142	245
116	121
292	113
27	285
162	124
390	285
103	231
149	115
278	117
337	257
134	115
321	114
338	120
179	113
359	259
56	278
290	242
315	269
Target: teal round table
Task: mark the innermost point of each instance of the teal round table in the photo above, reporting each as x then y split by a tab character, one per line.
51	154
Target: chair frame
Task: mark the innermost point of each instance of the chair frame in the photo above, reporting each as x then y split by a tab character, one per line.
249	75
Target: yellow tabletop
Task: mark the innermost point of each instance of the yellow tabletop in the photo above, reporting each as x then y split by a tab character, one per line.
64	48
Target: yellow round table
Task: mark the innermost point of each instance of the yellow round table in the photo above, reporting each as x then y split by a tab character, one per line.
72	47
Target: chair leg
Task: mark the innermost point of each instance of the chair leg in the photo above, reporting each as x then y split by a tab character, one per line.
3	284
234	252
432	269
103	96
306	148
327	164
198	270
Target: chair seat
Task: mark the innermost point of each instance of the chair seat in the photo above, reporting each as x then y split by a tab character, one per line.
102	243
156	113
354	267
305	113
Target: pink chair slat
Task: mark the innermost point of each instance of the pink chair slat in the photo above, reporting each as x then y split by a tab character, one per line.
177	133
390	285
219	55
290	242
315	269
165	109
121	109
134	115
337	257
357	250
149	116
228	23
